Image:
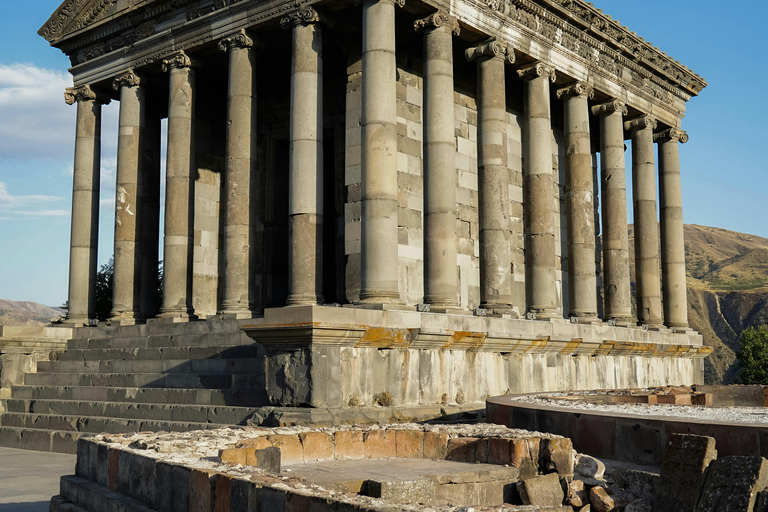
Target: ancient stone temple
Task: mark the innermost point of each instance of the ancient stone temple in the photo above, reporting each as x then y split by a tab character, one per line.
419	200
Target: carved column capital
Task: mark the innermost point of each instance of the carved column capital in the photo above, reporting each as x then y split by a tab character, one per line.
127	79
178	60
537	70
493	49
399	3
73	95
304	16
436	20
576	89
640	123
237	40
610	107
671	134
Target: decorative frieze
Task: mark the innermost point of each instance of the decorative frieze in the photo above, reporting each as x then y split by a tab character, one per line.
437	20
73	95
576	89
672	134
127	79
610	107
491	48
537	70
239	40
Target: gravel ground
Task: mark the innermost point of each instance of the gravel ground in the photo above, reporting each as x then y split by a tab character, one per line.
742	415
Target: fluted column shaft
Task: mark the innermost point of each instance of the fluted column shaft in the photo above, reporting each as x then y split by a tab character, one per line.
126	297
580	202
150	224
179	189
672	243
379	258
647	278
441	284
493	176
237	287
616	279
85	205
305	196
539	193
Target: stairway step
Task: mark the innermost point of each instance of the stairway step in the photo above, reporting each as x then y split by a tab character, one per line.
222	414
176	340
59	441
242	398
96	424
153	380
209	366
252	351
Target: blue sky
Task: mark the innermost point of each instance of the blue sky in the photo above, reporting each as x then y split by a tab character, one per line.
725	172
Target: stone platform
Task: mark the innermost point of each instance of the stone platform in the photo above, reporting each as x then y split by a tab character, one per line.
324	366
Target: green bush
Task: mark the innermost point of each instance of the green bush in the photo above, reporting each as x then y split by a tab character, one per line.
753	356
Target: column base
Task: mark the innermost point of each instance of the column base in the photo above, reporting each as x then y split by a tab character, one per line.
394	306
545	314
304	300
450	310
623	321
382	298
174	317
585	319
78	321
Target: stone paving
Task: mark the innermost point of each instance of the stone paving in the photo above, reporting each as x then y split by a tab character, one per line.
28	479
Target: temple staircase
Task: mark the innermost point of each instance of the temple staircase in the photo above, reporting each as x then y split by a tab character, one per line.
119	379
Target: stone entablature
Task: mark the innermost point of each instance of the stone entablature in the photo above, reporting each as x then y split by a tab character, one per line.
576	37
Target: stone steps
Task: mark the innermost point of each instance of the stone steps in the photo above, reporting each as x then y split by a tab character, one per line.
96	424
242	398
233	381
42	440
224	415
158	353
176	340
209	366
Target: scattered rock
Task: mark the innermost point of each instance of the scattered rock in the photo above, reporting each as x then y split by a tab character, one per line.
556	455
639	505
761	503
683	469
600	500
542	490
577	495
733	483
587	465
640	483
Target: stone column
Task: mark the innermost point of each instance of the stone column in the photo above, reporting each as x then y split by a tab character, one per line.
539	193
179	189
647	278
493	176
126	296
616	280
85	204
237	287
305	200
441	282
672	244
379	257
150	224
580	203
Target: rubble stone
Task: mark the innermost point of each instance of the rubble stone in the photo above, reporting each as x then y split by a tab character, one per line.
733	483
600	499
683	470
541	490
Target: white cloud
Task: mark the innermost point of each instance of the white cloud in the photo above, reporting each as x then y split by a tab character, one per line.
29	205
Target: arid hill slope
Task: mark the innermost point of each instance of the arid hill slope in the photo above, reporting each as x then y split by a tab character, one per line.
26	313
727	291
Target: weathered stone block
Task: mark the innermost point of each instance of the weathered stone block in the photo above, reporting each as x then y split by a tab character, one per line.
233	455
557	455
407	491
461	449
499	450
524	455
268	459
201	490
258	443
683	469
600	499
317	446
435	445
380	444
410	444
349	444
733	483
544	490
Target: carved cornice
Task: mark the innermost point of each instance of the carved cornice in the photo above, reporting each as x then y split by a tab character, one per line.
304	16
437	20
239	40
73	95
610	107
178	60
577	89
127	79
74	15
493	49
640	123
671	135
537	70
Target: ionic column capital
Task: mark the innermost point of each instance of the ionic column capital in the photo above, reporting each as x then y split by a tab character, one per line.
537	70
610	107
493	49
576	89
304	16
178	60
126	79
238	40
73	95
671	135
640	123
436	20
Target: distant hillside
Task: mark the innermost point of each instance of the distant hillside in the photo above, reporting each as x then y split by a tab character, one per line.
26	313
727	291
